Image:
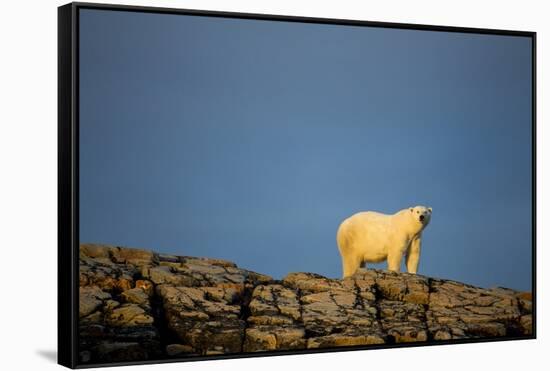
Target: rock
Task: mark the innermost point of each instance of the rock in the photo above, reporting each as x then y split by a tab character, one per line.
114	351
336	340
473	311
178	349
274	321
109	305
95	317
136	257
261	338
162	274
330	307
124	283
275	300
442	335
95	251
487	329
165	274
102	272
90	299
526	324
128	315
201	272
526	306
403	321
213	352
136	296
205	306
168	258
146	285
311	282
204	318
258	339
209	261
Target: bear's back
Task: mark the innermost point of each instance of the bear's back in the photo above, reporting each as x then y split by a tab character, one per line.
369	216
364	221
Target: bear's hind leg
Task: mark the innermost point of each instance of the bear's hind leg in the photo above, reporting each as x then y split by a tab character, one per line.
350	264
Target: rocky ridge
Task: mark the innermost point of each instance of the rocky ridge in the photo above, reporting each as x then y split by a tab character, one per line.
137	305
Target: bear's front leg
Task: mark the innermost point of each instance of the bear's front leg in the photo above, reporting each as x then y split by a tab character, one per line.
413	255
394	261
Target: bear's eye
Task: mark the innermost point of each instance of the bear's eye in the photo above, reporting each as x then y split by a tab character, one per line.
418	212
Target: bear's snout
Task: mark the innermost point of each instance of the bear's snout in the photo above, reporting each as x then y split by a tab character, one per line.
421	218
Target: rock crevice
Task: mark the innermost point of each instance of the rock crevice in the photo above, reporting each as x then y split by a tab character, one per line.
137	305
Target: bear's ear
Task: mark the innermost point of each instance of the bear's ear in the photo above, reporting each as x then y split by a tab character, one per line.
430	209
411	209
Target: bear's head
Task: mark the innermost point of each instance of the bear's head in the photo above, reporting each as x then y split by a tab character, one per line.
421	215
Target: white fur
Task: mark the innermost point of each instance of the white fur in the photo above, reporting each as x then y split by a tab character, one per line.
371	237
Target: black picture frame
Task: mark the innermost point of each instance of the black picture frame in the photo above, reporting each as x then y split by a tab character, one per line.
68	172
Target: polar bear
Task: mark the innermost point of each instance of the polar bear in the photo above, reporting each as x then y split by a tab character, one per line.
372	237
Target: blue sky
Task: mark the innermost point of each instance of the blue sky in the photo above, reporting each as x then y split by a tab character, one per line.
252	140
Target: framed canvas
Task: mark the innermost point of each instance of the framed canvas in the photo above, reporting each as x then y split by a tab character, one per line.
236	185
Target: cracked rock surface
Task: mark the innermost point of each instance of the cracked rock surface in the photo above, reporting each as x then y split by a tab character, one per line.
136	305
